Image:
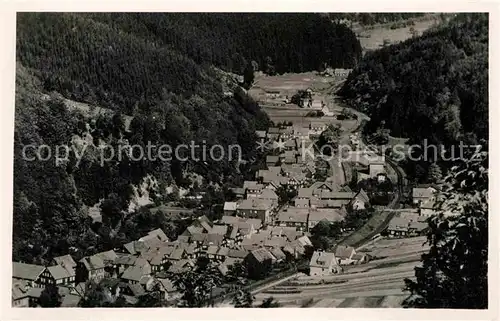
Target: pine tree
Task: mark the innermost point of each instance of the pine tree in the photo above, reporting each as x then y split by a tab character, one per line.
434	173
454	273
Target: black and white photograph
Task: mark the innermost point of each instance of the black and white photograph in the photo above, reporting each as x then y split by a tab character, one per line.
251	160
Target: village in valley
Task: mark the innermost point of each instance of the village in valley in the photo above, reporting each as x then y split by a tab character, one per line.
308	230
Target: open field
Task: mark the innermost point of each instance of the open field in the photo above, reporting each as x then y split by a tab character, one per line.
377	284
390	247
372	39
293	82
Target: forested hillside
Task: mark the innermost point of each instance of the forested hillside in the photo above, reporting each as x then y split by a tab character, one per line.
162	74
434	86
280	42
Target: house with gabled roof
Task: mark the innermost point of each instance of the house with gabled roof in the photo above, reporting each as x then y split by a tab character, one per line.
293	217
256	208
30	273
423	194
272	160
301	202
327	186
269	194
90	268
278	254
344	254
134	273
168	289
222	253
360	201
135	247
290	144
252	188
329	215
154	238
230	208
60	275
323	263
181	266
177	255
259	263
67	262
407	225
20	296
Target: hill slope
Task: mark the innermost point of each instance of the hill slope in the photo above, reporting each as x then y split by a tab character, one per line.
432	87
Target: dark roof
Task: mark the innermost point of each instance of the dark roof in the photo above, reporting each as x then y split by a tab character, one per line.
168	285
237	253
136	289
213	239
199	237
125	259
70	301
133	273
344	251
177	254
262	255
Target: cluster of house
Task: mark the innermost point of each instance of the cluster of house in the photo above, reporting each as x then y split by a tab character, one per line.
413	221
327	263
369	163
148	263
407	223
127	271
322	201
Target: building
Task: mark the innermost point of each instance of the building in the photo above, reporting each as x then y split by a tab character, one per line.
256	208
32	274
90	268
301	132
252	188
230	208
328	215
316	128
360	200
407	225
323	263
423	194
239	192
20	294
344	254
319	188
270	195
261	134
294	217
301	203
259	262
168	289
272	160
60	275
67	262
